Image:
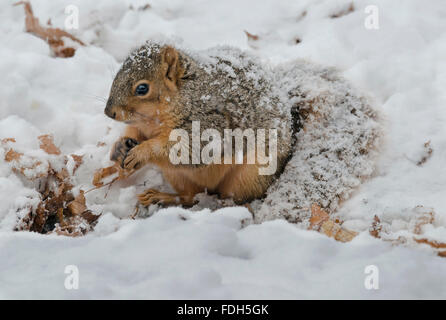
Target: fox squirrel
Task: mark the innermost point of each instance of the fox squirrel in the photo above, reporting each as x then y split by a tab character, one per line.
160	88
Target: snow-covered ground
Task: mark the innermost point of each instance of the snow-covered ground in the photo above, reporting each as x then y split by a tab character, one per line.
177	253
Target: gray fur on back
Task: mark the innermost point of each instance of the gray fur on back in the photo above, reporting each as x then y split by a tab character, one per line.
226	88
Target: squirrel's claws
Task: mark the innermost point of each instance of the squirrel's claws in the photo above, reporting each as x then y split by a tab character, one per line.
153	196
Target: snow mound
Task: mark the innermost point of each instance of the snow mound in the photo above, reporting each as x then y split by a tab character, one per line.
336	145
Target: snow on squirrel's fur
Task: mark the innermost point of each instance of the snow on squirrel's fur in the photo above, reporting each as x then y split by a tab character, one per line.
335	148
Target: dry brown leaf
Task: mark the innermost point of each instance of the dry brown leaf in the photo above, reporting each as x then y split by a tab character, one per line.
422	218
251	36
6	140
18	167
53	36
320	221
432	243
67	233
58	210
78	160
62	175
90	217
343	12
376	228
12	155
39	219
427	153
334	230
77	206
103	173
398	241
318	216
47	144
61	218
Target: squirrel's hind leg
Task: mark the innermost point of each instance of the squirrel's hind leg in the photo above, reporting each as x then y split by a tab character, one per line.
185	188
243	183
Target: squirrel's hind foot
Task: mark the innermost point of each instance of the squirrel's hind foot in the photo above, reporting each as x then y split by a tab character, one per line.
153	196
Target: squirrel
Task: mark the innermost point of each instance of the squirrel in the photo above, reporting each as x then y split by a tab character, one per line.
160	88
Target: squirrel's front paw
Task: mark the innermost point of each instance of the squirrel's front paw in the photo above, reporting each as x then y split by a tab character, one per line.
121	149
136	158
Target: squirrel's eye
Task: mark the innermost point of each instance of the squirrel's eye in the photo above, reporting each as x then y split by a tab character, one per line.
142	89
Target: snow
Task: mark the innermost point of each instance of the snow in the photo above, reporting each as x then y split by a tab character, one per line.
178	253
209	256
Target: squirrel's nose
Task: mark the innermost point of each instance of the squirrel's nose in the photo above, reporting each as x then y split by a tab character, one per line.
109	110
110	113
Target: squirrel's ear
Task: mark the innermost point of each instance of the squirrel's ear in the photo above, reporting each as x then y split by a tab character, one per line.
171	67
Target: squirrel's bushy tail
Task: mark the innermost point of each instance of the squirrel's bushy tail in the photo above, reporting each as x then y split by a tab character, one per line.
337	134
